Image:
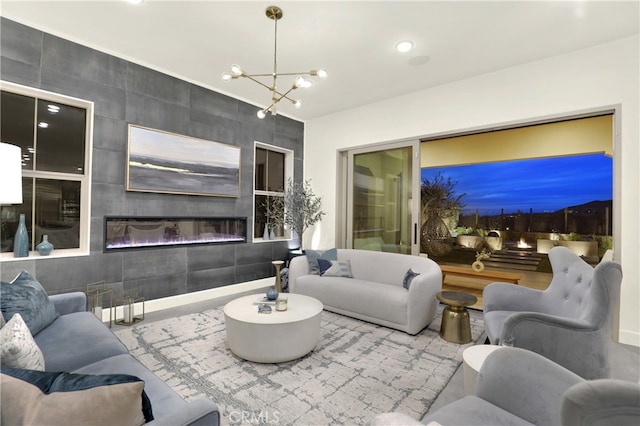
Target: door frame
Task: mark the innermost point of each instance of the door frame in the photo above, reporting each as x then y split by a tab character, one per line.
344	185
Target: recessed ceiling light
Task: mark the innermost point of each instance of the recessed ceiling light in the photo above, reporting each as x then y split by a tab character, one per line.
135	1
404	46
43	124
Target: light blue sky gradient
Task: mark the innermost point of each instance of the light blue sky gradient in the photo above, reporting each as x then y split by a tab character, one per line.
547	184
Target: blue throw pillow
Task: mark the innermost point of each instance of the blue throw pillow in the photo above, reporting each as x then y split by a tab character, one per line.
335	268
73	398
26	296
314	255
408	277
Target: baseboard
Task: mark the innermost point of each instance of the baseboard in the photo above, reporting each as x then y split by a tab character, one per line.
197	296
629	337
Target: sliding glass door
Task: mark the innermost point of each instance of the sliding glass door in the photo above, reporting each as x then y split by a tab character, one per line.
380	210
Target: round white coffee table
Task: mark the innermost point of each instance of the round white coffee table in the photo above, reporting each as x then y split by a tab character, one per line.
473	357
276	337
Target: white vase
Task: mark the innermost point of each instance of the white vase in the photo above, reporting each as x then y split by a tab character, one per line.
477	266
265	234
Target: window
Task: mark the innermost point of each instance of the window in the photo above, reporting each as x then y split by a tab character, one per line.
53	133
273	168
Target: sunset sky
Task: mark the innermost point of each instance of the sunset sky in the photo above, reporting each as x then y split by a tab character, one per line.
544	184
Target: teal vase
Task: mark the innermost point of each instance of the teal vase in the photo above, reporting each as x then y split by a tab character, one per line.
45	247
21	240
272	293
265	234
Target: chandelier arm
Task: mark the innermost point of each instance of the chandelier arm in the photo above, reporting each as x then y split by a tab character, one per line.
311	73
258	81
284	95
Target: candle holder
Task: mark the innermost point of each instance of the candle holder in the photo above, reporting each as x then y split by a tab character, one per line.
277	264
99	297
131	303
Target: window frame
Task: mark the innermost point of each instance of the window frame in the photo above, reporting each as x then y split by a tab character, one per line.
288	173
84	178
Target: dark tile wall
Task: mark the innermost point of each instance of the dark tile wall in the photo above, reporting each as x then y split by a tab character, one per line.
124	92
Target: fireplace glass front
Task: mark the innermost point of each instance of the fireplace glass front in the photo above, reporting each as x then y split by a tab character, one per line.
124	233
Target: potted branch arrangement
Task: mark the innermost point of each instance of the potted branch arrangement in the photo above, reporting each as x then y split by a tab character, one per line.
302	208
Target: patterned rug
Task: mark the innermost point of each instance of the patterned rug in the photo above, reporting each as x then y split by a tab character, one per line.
357	370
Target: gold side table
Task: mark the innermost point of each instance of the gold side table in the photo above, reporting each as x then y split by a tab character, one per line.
456	326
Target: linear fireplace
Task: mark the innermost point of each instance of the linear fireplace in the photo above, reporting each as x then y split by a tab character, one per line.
129	233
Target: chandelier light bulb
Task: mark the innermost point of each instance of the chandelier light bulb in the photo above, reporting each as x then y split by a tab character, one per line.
299	81
236	70
297	104
261	114
322	74
226	76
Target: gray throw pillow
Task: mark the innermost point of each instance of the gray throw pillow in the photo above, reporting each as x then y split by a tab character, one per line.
408	277
335	268
314	255
26	296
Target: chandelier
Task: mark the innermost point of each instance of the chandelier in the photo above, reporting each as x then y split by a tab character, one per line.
275	13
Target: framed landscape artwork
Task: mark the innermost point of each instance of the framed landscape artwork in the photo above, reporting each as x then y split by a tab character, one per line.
159	161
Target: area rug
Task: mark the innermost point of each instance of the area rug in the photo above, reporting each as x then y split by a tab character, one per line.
356	371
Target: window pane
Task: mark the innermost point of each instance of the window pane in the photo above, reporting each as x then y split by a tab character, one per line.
17	124
261	170
275	170
60	138
10	217
260	216
58	212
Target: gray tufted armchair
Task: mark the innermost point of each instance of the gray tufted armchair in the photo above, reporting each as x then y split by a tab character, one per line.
570	322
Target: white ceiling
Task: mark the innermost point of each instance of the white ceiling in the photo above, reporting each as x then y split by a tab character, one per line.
352	40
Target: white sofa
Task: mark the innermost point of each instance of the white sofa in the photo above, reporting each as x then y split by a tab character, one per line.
375	293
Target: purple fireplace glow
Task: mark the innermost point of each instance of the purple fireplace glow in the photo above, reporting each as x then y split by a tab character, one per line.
127	233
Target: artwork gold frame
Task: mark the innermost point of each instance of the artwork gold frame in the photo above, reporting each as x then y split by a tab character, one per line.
159	161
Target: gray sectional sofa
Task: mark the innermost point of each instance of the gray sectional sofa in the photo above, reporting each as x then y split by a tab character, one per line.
375	292
78	342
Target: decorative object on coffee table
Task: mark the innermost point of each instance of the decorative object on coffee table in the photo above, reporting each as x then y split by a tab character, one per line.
281	304
456	326
45	247
272	293
277	264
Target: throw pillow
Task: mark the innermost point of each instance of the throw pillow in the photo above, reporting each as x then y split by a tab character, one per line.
26	296
39	397
2	321
314	255
335	268
408	277
19	350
